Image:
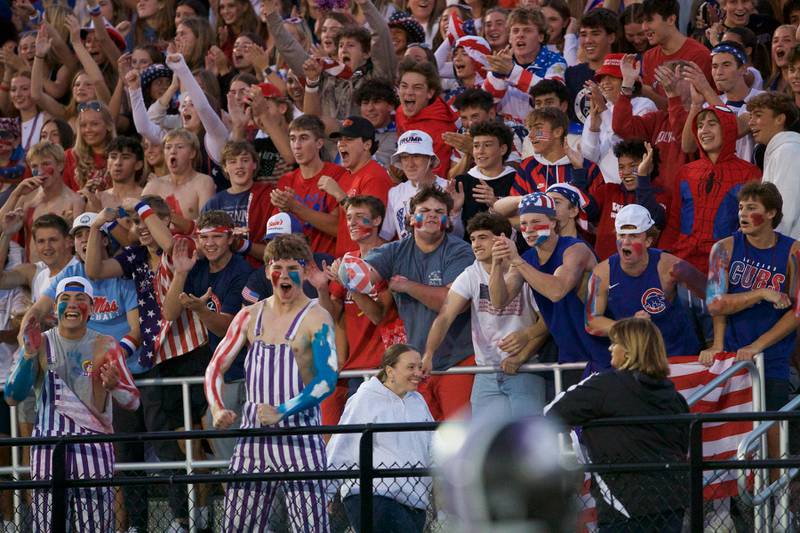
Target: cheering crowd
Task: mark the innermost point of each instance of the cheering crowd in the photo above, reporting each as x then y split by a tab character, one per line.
267	193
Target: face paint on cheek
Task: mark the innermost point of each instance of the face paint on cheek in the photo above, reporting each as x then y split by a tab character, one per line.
540	135
295	277
638	249
84	310
757	219
275	276
61	309
542	233
443	222
418	220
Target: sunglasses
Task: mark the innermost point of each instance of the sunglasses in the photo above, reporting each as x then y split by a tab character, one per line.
94	106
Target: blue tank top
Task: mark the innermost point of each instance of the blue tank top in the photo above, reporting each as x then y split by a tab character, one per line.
564	318
750	269
629	294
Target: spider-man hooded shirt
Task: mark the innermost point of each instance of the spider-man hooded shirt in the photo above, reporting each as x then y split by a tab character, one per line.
708	205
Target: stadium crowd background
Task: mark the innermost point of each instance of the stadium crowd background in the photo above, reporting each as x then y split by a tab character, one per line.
406	134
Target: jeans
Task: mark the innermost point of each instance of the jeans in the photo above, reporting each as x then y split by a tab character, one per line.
388	515
516	395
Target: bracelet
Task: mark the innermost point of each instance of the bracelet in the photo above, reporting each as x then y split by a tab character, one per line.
109	227
39	57
245	247
144	210
312	83
626	90
128	345
95	10
314	89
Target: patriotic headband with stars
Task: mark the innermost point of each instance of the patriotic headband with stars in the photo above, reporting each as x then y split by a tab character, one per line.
728	49
573	194
537	202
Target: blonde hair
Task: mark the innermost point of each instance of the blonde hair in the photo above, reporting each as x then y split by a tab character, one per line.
84	155
186	135
45	149
644	347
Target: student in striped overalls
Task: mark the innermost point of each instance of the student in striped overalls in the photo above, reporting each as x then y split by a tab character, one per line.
76	372
290	367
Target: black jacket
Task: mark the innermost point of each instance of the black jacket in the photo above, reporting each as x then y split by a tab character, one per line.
622	393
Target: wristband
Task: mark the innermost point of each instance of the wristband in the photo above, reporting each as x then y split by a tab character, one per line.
144	210
95	10
626	90
244	247
109	227
129	345
310	89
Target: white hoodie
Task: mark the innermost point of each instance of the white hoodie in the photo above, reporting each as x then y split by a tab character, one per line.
783	152
375	403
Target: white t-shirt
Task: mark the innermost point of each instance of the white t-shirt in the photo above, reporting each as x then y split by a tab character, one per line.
489	324
744	145
42	279
31	129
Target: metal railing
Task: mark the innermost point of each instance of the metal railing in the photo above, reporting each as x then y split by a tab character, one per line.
190	464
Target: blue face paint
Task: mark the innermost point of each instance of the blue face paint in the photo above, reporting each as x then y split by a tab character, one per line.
443	222
419	218
295	277
61	309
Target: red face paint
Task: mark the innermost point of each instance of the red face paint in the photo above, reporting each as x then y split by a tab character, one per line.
275	276
541	227
757	219
638	248
83	308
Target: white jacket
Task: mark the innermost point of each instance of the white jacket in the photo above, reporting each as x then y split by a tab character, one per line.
598	146
783	152
375	403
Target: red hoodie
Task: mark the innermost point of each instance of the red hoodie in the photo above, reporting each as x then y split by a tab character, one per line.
707	208
435	119
663	130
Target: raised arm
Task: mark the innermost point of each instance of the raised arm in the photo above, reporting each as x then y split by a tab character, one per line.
216	131
44	101
96	266
223	358
289	48
144	126
87	62
595	322
383	57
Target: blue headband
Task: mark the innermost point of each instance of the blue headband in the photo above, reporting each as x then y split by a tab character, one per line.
572	196
728	49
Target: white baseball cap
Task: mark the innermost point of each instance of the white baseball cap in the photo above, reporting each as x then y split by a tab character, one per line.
282	224
414	142
85	220
633	215
75	284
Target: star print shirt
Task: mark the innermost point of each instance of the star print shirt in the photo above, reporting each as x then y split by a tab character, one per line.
133	260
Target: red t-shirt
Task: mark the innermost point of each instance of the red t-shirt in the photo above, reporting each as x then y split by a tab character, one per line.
690	51
71	166
307	193
367	341
370	180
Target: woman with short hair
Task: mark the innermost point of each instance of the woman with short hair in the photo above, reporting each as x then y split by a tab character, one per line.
638	386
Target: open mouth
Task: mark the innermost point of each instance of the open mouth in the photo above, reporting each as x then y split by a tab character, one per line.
780	53
285	288
72	315
345	58
627	253
345	154
172	162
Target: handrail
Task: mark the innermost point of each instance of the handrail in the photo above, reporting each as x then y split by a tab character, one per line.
750	441
752	369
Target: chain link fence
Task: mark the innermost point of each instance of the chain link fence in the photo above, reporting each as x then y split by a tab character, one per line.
71	491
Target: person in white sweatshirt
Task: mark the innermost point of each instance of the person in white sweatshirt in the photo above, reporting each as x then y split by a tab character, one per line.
771	116
399	504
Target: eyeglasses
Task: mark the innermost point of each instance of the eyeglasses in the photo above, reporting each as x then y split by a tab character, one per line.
93	105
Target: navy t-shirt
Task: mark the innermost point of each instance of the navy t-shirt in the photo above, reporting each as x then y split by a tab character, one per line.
575	77
226	297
